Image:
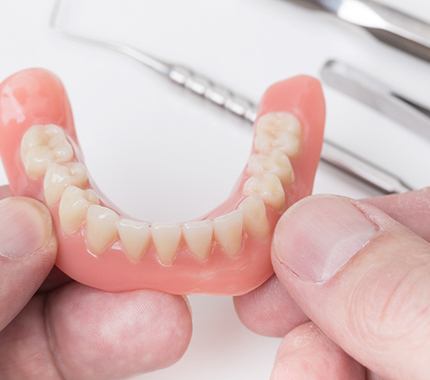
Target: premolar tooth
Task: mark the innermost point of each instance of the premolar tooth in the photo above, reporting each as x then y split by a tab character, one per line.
228	232
278	130
73	208
268	187
42	145
254	217
36	160
166	238
276	163
135	237
101	231
198	236
58	177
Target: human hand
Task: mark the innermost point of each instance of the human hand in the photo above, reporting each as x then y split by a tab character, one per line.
362	275
64	330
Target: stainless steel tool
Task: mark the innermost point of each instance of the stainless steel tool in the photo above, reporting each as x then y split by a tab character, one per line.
203	86
387	24
377	95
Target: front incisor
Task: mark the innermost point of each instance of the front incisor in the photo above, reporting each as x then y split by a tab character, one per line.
135	238
198	236
228	232
101	228
166	238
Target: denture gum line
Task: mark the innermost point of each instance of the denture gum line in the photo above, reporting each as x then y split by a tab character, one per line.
47	153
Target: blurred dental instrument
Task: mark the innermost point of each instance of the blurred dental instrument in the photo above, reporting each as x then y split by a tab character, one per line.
387	24
339	157
378	95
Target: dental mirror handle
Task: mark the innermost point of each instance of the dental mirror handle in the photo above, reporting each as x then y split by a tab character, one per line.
333	154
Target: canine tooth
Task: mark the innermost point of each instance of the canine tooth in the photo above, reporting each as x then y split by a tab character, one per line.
198	236
101	228
73	208
268	187
166	238
276	163
135	237
58	177
255	219
228	232
278	130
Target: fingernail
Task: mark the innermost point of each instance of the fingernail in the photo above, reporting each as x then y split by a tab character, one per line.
25	227
318	236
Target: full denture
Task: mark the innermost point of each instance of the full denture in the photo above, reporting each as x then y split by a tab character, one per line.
225	252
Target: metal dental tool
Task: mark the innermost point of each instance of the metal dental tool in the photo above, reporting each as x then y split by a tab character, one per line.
387	24
377	95
332	154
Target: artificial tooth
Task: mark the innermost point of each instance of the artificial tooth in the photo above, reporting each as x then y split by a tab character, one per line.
278	130
276	163
255	219
101	231
166	238
73	207
37	160
58	177
198	236
41	145
228	232
135	237
268	187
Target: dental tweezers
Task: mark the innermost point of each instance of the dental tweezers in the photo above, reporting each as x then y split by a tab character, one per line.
333	154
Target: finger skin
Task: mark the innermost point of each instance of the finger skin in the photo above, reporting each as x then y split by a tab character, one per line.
377	307
23	222
81	333
410	209
307	354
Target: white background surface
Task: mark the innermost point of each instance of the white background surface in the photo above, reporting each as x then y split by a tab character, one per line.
164	156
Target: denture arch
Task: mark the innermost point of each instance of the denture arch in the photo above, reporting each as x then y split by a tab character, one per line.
226	252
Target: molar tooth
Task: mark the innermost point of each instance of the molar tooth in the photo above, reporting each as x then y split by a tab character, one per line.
276	163
254	217
58	177
198	236
268	187
101	230
279	130
63	151
166	238
135	237
73	207
228	232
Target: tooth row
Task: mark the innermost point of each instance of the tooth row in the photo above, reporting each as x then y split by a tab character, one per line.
43	145
66	183
277	138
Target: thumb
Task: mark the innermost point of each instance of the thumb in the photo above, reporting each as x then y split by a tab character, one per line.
363	278
27	253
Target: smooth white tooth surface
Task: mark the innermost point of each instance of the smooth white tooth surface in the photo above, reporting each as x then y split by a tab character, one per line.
135	237
276	163
42	145
255	219
166	238
198	236
101	228
268	187
36	160
58	177
228	232
278	131
73	208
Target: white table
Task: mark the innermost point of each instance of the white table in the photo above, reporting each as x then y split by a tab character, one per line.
185	144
